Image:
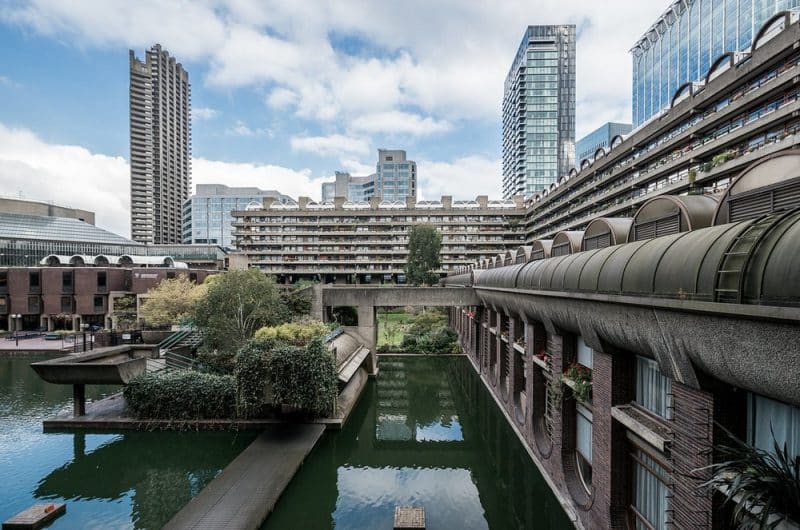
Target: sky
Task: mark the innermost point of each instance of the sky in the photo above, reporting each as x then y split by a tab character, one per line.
284	93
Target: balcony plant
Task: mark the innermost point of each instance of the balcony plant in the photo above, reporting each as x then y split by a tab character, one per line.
580	381
763	486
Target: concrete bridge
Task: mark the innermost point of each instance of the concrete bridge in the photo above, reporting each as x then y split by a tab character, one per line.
367	299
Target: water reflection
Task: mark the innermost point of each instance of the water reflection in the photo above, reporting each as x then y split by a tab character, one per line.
131	480
426	433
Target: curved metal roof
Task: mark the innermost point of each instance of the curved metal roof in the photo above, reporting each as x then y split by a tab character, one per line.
542	246
617	227
573	237
523	254
765	173
697	211
510	257
685	266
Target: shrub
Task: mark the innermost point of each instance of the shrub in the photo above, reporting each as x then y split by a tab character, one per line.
219	361
304	377
252	381
299	333
181	395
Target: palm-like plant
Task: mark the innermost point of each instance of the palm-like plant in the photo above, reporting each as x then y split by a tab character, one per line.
764	486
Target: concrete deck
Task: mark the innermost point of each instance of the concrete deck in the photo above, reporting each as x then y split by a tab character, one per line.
246	491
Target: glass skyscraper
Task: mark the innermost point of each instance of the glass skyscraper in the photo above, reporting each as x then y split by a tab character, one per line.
686	40
586	147
539	111
395	176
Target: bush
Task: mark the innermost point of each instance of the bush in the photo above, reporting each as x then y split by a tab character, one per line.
252	381
181	395
219	361
299	333
304	377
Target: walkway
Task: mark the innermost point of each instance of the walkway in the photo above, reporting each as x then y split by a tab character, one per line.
244	494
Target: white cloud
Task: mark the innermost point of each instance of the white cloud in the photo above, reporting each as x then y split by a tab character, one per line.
397	122
333	145
464	178
7	81
448	66
265	176
68	175
204	113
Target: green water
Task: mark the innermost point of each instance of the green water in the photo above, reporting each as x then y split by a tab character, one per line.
130	480
426	433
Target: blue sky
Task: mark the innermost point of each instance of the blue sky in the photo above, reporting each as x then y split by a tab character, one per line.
285	93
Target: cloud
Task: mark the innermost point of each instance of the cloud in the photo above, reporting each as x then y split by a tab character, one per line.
8	82
68	175
473	176
204	113
396	122
333	145
292	182
448	66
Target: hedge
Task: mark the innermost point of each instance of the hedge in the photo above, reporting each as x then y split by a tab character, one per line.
304	377
181	395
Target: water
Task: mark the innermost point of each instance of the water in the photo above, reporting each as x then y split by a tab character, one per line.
427	433
109	481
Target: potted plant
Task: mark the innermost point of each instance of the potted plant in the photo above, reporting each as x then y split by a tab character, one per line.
579	379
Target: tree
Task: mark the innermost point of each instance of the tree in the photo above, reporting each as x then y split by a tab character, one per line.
424	246
125	312
171	302
236	305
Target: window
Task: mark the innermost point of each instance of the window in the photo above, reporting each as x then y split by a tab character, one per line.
767	416
102	281
583	445
3	305
34	281
3	282
66	304
33	304
66	282
98	304
650	492
585	353
653	389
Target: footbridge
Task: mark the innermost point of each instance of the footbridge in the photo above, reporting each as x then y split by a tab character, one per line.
367	299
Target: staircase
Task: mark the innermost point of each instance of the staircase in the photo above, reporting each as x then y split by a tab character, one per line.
168	359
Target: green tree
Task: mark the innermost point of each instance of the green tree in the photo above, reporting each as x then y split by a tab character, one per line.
171	302
236	304
424	246
125	312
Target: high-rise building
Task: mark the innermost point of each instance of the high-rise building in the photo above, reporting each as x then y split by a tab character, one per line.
160	129
539	111
586	147
686	40
350	187
207	215
395	176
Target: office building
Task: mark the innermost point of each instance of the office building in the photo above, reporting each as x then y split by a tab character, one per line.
350	187
367	242
395	179
207	214
600	138
687	39
161	138
395	176
539	111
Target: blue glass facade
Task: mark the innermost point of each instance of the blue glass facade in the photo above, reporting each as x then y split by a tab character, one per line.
586	147
686	40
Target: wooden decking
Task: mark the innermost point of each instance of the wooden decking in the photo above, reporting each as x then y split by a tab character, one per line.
246	491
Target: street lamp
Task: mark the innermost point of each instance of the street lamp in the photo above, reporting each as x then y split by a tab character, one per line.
16	318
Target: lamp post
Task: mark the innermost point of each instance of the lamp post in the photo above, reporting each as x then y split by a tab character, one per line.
16	318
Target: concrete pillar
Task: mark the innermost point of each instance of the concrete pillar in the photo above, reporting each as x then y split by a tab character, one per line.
79	400
76	323
368	331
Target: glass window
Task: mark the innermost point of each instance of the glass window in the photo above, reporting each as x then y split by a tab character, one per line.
66	281
653	389
98	303
3	282
583	444
33	279
650	493
33	304
767	416
585	353
101	280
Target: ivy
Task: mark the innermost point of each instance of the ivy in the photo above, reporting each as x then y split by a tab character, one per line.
181	395
252	391
304	377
